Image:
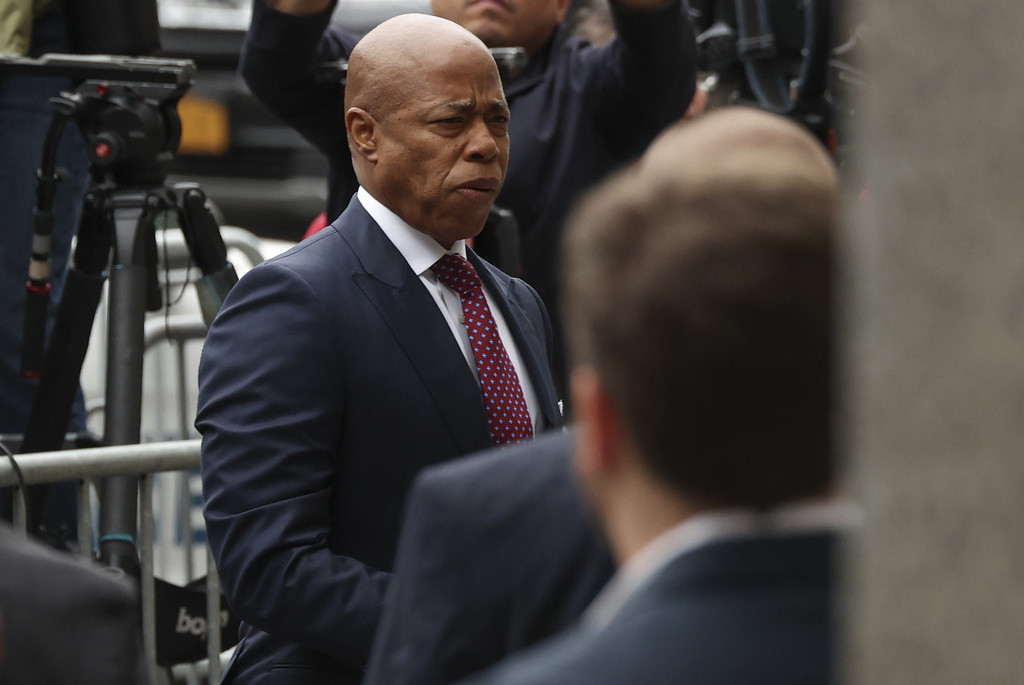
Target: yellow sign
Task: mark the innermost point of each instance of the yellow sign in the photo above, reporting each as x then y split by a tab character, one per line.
204	126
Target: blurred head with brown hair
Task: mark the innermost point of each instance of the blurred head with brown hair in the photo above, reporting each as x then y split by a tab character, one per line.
697	300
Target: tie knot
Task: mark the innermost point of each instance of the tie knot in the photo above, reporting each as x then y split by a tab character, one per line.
457	273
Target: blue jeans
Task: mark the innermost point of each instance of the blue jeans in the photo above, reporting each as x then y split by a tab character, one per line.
25	114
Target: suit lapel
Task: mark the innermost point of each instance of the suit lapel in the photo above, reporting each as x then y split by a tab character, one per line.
528	339
420	329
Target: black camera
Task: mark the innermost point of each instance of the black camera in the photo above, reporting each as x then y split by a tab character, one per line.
783	56
126	108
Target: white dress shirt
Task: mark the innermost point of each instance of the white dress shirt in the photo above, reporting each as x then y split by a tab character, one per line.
422	252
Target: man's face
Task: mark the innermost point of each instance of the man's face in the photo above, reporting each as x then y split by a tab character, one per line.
506	23
442	153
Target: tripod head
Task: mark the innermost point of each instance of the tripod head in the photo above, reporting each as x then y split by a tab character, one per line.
126	108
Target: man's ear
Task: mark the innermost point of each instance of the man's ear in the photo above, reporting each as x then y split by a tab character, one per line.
362	133
597	426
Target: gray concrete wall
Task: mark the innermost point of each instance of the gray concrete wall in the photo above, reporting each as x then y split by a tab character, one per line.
934	370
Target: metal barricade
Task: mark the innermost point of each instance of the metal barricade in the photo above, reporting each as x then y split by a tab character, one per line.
177	458
143	461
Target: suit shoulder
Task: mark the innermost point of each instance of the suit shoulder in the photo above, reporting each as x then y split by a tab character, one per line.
539	462
322	250
319	266
511	491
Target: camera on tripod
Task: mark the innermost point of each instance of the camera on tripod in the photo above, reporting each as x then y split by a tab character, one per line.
126	110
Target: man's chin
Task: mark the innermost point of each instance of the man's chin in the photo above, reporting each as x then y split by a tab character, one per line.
490	29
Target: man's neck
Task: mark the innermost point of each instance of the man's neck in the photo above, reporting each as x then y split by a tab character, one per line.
642	510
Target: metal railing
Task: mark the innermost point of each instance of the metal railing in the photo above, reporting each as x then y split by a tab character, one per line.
181	457
87	466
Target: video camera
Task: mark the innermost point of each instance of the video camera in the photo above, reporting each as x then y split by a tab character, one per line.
782	56
126	108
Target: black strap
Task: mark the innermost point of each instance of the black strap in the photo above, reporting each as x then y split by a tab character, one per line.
757	51
813	78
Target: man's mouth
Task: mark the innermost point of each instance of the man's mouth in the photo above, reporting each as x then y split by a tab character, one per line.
503	5
479	187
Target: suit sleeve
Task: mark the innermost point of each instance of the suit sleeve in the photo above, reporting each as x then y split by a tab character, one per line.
270	407
644	79
278	62
433	629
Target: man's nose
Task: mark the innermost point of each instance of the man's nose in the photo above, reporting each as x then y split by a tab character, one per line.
482	146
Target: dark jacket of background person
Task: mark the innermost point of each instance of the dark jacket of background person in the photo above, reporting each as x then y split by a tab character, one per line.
578	111
496	553
328	380
65	621
751	610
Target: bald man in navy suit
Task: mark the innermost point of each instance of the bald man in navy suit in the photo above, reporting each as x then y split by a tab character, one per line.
338	370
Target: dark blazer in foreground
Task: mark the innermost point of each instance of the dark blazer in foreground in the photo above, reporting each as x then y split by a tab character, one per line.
328	380
496	553
743	611
65	620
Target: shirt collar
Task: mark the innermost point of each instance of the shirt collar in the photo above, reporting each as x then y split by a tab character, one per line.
714	526
419	249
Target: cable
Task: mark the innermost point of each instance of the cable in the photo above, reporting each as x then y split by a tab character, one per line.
17	472
171	301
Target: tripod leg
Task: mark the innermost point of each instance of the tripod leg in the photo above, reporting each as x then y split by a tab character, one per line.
50	413
133	231
202	235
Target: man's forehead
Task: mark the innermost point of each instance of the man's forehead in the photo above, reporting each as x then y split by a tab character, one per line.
459	85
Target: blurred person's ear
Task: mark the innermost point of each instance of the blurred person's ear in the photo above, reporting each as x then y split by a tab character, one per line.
597	427
698	105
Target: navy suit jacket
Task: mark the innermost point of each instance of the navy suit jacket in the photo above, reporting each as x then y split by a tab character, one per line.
328	380
496	553
755	610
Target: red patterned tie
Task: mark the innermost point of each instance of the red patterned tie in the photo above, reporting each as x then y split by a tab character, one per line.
507	415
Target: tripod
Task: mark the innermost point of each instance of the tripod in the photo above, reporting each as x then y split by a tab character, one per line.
129	119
